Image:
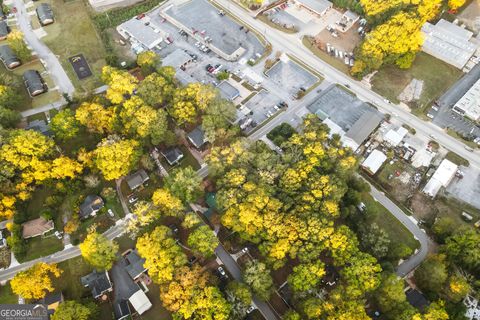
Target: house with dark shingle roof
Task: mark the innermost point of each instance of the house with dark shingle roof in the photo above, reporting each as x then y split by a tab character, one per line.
134	265
173	155
137	179
34	83
98	282
90	206
8	57
45	14
40	126
52	301
4	30
197	137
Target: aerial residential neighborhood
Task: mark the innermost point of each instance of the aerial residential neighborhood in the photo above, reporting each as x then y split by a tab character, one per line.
240	159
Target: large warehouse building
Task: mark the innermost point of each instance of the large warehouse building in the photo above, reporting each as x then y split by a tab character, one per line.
469	104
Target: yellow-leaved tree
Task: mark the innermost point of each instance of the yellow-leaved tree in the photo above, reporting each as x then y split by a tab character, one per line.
96	117
34	283
120	84
98	251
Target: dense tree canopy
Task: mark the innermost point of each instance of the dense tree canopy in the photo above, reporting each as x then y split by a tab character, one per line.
34	283
98	251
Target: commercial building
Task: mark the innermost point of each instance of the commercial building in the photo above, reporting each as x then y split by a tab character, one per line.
178	59
141	36
469	103
374	161
227	91
317	7
441	178
449	42
394	137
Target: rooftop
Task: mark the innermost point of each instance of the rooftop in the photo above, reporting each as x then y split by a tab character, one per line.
448	42
136	30
374	161
98	282
135	266
34	82
364	126
177	59
197	137
227	91
441	178
39	126
469	103
172	155
394	137
36	227
44	12
3	29
90	205
7	55
319	6
137	179
140	302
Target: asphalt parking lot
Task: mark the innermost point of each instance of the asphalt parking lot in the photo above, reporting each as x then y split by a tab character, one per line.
468	188
225	33
291	76
260	107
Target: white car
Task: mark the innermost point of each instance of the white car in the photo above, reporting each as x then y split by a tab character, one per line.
132	199
110	213
250	309
222	272
58	234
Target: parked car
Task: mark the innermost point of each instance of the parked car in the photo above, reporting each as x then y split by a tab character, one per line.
174	228
110	213
222	272
132	199
250	309
58	234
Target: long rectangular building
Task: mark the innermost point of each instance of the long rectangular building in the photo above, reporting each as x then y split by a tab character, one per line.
469	104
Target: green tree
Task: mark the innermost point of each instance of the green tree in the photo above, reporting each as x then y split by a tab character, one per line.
8	117
157	89
98	251
17	42
306	276
463	248
443	228
64	125
162	255
9	97
217	120
239	296
147	61
185	184
390	294
374	240
258	277
72	310
203	241
457	288
432	274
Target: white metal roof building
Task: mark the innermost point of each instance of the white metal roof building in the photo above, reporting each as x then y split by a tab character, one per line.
319	7
469	104
441	178
448	42
140	301
394	137
135	31
177	59
374	161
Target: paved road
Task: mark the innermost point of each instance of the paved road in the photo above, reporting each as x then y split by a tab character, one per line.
411	263
235	271
54	67
56	105
292	45
67	253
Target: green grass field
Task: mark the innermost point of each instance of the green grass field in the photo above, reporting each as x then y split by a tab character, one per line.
40	247
396	231
6	295
73	34
69	282
437	75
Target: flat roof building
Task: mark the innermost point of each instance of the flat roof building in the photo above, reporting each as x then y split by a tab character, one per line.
178	59
135	31
394	137
441	178
469	103
318	7
374	161
45	14
8	57
227	91
448	42
34	83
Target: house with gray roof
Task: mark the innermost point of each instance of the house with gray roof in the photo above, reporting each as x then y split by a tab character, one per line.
134	264
137	179
34	83
8	57
197	137
172	155
227	91
98	282
90	206
40	126
45	14
4	30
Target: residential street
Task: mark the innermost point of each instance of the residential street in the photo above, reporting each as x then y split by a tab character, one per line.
235	271
289	43
54	67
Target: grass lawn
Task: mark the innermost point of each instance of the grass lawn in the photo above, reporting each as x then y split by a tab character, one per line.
103	223
267	21
396	231
125	242
5	256
437	75
28	102
40	247
73	34
69	281
157	311
37	202
457	159
6	295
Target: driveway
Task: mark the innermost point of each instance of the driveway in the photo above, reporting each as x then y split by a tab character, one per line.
59	76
